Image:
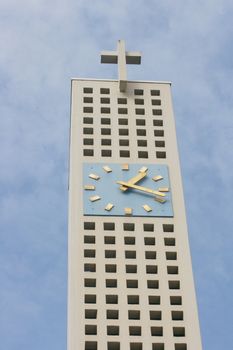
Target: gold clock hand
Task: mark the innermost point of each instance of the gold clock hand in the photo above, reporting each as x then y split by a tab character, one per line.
140	188
134	180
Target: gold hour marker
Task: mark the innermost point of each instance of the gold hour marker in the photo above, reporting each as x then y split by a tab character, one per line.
94	198
128	211
160	200
107	169
163	189
157	178
147	208
94	176
89	187
109	206
143	169
125	167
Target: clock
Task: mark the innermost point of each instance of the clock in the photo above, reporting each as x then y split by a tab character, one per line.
126	190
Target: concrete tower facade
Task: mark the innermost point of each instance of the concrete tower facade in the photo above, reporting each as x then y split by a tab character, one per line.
130	281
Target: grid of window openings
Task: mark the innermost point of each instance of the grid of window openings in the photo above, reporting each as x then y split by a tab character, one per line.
126	250
138	119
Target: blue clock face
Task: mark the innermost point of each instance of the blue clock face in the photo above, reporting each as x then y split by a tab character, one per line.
126	190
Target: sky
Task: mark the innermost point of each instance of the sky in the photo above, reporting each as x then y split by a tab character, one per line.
44	43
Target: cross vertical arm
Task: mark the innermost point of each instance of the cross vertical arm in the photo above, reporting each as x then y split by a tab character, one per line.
121	57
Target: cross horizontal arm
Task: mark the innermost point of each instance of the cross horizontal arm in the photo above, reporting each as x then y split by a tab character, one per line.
112	57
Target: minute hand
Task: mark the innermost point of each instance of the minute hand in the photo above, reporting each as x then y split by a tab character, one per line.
140	188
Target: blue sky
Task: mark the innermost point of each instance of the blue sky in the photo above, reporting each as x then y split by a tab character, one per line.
43	44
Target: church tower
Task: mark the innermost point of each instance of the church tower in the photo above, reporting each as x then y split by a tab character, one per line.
130	281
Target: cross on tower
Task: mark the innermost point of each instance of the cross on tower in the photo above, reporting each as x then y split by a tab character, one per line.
121	57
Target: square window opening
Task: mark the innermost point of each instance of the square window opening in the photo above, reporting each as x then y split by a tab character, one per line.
139	101
133	299
106	142
106	153
150	255
169	241
133	314
88	152
112	314
153	284
124	154
123	121
90	314
156	331
90	345
140	122
132	283
151	269
105	100
109	226
129	240
158	346
159	143
154	300
135	346
140	111
90	299
131	268
155	92
88	141
111	268
177	315
160	154
90	267
89	239
157	111
122	110
171	255
112	330
174	284
90	282
178	331
149	240
105	91
90	329
89	225
113	345
110	254
109	239
135	330
111	283
105	110
172	270
88	90
124	142
158	122
87	120
175	300
105	121
138	92
142	143
130	254
88	109
122	101
168	228
128	226
111	299
180	346
155	315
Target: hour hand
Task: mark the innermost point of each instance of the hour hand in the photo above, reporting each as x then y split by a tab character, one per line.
134	180
141	188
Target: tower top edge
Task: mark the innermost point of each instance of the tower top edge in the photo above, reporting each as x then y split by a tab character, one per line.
129	81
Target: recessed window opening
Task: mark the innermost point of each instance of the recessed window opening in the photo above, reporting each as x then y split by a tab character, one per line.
88	90
90	345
